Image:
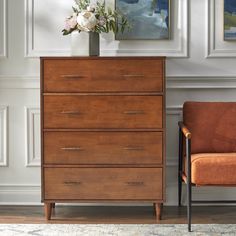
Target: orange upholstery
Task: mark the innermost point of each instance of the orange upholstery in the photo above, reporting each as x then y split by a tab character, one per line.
213	168
209	129
212	125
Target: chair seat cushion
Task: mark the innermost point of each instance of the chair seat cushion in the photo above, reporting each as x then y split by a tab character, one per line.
213	168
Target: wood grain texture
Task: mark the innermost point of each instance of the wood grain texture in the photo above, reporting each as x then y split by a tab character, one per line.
103	148
103	183
185	130
103	130
102	112
103	75
48	210
158	210
42	125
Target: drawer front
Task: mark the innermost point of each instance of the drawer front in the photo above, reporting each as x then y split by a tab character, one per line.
84	75
103	183
103	148
102	111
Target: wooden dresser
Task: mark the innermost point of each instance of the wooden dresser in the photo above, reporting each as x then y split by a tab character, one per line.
103	130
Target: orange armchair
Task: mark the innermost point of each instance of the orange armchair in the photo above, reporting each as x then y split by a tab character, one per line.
207	148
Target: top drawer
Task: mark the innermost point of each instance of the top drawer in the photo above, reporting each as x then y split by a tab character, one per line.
103	75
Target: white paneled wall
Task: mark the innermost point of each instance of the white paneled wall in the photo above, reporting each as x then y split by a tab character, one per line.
3	135
200	66
41	25
3	28
32	124
217	47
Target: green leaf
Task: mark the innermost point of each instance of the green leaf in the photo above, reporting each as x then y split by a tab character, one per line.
74	10
66	32
114	27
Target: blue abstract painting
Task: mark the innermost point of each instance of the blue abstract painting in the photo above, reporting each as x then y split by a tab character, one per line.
230	19
149	19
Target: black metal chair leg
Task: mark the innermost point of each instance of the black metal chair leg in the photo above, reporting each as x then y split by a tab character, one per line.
179	189
189	206
189	184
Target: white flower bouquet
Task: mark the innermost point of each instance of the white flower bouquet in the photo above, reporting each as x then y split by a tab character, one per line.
92	16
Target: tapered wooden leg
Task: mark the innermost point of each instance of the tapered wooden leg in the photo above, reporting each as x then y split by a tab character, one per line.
48	210
158	210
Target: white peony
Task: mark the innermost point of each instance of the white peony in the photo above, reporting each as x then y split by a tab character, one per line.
86	21
91	7
71	22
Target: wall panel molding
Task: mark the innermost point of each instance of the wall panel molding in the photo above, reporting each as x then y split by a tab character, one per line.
3	135
20	194
226	49
32	123
160	47
3	35
30	50
182	51
172	82
19	82
201	82
174	110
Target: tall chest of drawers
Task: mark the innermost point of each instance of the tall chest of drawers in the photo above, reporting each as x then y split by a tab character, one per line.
103	130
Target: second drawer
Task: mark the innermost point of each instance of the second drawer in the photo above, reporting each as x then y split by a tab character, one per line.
114	111
103	147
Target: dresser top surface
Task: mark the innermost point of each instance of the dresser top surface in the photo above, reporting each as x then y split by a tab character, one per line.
103	57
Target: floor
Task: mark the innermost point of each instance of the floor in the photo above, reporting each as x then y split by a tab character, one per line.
117	215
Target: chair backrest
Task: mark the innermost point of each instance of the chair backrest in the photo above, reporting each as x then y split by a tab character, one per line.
212	124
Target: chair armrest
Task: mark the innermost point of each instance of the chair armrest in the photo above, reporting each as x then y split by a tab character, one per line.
184	130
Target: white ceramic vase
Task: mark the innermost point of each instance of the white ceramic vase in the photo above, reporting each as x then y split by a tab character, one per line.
79	43
84	44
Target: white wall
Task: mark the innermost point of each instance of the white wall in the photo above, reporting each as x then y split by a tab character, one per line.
200	66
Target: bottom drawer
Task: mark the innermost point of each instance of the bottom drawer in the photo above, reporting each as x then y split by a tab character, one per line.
103	183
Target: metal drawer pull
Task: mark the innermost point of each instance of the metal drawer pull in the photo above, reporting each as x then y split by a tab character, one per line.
138	112
71	112
135	183
73	76
132	76
72	148
137	148
72	183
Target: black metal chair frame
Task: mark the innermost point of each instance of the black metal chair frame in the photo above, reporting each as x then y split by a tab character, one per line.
185	133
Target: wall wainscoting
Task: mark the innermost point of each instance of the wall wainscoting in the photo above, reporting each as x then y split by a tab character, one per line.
181	87
200	69
3	29
32	124
36	43
3	135
172	82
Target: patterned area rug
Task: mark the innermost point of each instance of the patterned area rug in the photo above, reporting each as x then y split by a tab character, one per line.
115	230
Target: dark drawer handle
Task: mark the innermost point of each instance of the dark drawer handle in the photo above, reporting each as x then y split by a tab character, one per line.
135	183
72	148
138	112
71	112
72	183
133	76
133	148
73	76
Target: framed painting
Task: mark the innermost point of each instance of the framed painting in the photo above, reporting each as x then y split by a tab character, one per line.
149	19
229	19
